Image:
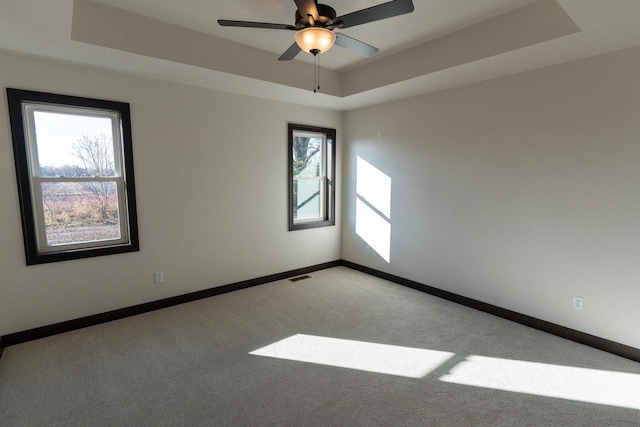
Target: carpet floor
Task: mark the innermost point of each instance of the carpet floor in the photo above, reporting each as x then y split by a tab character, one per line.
340	348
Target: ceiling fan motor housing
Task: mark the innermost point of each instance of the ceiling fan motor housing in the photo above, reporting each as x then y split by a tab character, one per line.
326	16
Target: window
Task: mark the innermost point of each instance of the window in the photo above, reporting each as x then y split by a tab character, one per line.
74	165
312	153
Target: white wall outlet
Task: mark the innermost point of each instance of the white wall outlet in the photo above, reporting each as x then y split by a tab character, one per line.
367	249
578	303
158	277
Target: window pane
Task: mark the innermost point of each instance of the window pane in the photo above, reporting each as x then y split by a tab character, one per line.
80	212
307	199
74	145
307	156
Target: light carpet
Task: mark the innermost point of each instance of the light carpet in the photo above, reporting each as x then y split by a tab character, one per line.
341	348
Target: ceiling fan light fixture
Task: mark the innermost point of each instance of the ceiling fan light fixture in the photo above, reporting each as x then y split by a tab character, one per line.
316	39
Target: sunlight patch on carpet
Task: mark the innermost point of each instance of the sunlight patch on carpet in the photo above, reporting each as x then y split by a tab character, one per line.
564	382
364	356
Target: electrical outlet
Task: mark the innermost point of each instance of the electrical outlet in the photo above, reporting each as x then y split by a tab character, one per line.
578	303
158	277
367	249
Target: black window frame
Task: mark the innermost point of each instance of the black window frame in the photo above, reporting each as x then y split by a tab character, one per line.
16	98
329	184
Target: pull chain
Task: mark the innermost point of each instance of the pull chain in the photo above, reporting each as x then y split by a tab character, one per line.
316	70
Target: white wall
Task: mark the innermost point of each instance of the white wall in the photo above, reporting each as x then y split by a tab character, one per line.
521	191
211	182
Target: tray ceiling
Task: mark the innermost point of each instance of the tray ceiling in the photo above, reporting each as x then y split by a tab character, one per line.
444	43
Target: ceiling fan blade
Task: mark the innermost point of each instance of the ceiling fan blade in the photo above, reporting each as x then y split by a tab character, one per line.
355	45
290	53
376	13
249	24
306	8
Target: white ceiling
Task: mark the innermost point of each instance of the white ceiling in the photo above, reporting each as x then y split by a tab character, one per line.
428	50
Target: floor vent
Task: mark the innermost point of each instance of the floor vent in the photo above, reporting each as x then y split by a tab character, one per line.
295	279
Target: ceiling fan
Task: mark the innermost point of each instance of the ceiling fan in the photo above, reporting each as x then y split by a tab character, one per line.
314	25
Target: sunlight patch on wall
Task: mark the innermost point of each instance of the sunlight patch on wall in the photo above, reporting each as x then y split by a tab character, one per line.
373	208
364	356
373	229
373	186
563	382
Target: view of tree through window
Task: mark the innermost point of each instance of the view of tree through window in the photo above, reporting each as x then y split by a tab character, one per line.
307	164
77	211
311	171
